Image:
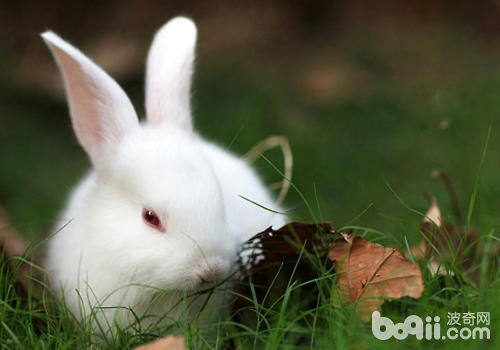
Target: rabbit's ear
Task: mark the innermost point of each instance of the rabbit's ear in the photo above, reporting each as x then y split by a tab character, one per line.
100	110
168	76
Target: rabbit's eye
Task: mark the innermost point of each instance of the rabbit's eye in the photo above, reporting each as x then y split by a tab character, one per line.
152	219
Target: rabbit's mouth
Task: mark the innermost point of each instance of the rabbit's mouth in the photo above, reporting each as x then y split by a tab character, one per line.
211	275
207	285
196	284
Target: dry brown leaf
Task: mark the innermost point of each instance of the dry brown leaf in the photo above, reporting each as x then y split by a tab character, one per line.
170	342
433	215
431	224
446	242
270	258
10	241
369	272
266	252
13	245
417	251
287	241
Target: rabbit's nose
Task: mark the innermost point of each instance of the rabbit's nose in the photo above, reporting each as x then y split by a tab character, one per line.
211	275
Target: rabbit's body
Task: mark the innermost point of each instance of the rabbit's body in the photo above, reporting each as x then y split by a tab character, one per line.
162	214
239	180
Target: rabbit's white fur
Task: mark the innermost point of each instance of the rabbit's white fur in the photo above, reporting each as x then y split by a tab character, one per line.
106	255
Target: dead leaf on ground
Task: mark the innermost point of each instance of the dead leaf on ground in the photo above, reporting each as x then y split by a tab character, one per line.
443	242
269	259
369	272
170	342
273	245
25	266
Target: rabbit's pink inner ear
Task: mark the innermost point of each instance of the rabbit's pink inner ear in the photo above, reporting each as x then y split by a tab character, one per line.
101	112
169	71
83	105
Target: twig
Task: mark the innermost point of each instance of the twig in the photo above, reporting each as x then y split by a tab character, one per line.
441	175
266	145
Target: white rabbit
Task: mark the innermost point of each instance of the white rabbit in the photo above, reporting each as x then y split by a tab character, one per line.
161	213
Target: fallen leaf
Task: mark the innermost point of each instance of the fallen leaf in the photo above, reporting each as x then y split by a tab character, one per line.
25	266
270	260
433	215
277	245
418	251
371	271
169	342
12	244
444	242
368	273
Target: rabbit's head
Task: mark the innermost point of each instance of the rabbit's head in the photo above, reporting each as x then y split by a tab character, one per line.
156	210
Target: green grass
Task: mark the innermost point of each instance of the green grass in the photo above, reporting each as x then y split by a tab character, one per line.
294	314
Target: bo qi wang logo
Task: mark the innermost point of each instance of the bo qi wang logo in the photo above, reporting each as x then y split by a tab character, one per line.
468	327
